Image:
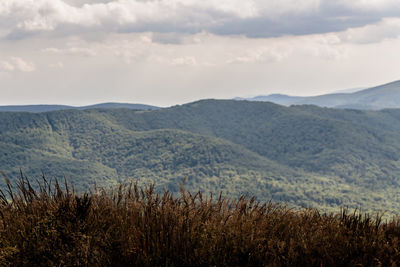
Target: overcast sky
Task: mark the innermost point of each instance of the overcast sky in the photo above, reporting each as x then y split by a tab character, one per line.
166	52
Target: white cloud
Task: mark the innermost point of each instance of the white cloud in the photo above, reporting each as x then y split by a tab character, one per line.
79	51
57	65
275	8
23	65
188	61
16	64
131	50
265	54
387	28
277	50
6	66
369	4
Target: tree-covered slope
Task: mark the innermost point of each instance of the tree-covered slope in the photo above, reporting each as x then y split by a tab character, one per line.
304	155
87	147
360	146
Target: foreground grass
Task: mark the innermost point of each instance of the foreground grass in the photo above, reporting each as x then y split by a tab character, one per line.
134	226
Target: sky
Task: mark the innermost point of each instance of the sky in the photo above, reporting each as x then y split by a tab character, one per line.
167	52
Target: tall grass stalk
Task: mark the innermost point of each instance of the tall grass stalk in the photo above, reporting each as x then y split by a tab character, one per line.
50	225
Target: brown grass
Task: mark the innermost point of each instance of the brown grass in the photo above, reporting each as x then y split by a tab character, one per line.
134	226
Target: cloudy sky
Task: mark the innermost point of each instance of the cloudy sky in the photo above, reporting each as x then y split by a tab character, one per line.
167	52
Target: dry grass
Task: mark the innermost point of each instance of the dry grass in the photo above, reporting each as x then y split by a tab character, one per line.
134	226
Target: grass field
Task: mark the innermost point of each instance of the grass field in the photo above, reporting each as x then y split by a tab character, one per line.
134	226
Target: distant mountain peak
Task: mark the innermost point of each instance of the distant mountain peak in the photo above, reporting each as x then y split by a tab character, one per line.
373	98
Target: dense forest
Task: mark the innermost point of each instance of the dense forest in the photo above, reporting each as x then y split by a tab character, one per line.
303	155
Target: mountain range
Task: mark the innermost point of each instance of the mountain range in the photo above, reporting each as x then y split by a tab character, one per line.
302	155
46	108
375	98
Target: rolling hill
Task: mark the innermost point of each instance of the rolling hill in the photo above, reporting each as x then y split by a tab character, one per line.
375	98
304	155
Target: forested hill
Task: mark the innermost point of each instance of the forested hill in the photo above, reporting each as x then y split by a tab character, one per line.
304	155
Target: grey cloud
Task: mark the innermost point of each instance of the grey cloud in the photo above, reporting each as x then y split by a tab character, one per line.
252	18
287	25
167	38
79	3
18	35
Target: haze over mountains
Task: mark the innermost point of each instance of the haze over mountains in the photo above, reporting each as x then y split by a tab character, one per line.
375	98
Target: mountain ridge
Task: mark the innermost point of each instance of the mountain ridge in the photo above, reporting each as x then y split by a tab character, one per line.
373	98
46	108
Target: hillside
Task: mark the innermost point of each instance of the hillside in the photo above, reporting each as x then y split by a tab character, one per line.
47	108
87	147
305	155
375	98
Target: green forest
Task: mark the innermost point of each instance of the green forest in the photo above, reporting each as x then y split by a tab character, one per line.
302	155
